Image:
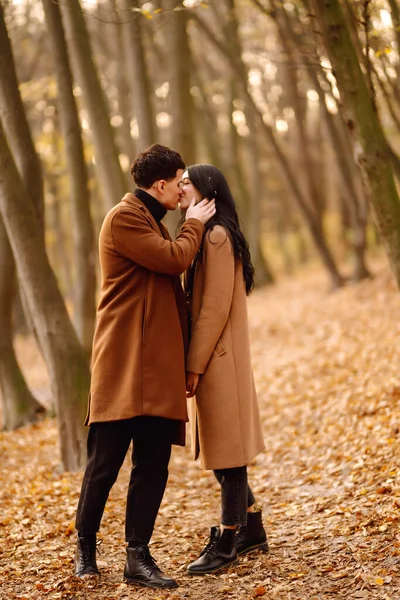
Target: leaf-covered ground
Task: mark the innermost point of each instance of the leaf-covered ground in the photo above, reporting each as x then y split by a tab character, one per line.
327	367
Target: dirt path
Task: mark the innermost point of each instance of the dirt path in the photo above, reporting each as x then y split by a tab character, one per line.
327	368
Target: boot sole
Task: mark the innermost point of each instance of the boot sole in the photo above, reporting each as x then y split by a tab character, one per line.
263	547
149	585
233	562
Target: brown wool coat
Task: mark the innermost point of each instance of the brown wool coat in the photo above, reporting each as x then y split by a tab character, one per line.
138	360
225	421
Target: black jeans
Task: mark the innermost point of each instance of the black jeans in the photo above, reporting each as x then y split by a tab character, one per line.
107	446
236	495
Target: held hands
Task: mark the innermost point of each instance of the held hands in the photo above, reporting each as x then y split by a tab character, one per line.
192	380
203	211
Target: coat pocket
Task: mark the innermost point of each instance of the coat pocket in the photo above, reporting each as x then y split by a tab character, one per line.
143	320
220	349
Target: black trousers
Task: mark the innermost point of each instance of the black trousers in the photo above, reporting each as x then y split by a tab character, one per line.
236	495
107	446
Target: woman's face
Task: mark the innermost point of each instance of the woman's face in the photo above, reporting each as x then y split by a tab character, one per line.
188	191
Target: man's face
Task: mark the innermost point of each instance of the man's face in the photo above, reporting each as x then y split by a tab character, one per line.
169	191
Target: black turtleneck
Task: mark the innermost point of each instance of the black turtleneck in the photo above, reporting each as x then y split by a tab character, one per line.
153	205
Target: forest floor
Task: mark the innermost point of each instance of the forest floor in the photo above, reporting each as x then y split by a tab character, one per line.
327	368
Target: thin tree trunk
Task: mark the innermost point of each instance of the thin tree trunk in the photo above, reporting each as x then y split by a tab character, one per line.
299	107
253	220
374	157
395	12
139	80
347	166
124	96
109	169
16	127
180	77
182	134
388	99
208	124
82	227
18	404
65	359
15	123
59	257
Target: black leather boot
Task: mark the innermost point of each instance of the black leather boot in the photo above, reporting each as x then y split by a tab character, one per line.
252	536
85	556
219	553
140	568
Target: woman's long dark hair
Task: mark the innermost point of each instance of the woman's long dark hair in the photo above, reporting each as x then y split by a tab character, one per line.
211	183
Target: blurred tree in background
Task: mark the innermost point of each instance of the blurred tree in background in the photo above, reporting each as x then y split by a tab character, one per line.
298	102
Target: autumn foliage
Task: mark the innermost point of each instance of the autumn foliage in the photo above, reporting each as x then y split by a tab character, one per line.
327	369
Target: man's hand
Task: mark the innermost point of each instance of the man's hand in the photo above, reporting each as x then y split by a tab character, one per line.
192	379
203	211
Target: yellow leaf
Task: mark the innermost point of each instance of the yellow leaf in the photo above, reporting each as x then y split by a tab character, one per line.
378	581
70	529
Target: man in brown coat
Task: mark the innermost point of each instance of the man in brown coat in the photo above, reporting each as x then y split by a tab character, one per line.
138	388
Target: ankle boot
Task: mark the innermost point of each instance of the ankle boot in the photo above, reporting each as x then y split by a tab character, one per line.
252	536
142	569
85	556
217	554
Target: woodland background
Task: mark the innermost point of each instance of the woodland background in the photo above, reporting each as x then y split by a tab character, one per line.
298	102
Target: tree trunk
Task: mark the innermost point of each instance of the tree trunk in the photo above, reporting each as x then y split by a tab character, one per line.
373	155
109	169
299	106
253	217
17	129
139	80
395	13
56	243
15	123
124	96
207	121
82	227
345	160
65	359
180	79
18	404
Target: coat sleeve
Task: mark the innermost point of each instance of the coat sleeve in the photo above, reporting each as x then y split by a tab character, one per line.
219	267
134	238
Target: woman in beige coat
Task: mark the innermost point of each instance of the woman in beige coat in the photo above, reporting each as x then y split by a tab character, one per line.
226	429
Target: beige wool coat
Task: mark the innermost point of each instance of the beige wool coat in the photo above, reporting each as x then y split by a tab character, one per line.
138	360
225	421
